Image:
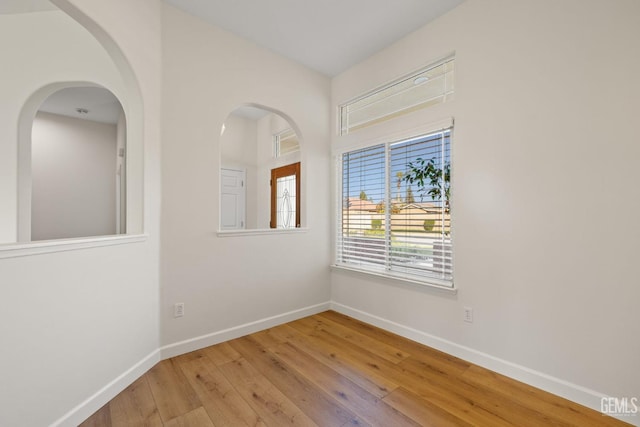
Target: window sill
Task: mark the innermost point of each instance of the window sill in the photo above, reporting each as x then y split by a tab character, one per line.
260	232
14	250
398	279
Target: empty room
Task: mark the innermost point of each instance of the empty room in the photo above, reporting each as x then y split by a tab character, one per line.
331	213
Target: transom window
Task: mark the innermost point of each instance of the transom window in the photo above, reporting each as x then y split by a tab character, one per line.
429	86
394	209
285	142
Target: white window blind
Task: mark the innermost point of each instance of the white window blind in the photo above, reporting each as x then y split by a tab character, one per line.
394	213
285	142
426	87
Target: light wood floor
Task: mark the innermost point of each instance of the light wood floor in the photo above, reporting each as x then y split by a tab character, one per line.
332	370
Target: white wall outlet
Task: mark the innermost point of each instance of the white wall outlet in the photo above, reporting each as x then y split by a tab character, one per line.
178	309
468	315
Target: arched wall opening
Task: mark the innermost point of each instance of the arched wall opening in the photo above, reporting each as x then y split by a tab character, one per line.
71	163
262	174
78	53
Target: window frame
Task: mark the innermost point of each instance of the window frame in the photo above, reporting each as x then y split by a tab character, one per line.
277	139
388	140
344	126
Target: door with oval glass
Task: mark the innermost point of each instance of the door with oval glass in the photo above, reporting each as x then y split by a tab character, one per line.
285	196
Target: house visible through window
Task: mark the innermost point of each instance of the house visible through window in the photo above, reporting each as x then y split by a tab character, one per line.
394	211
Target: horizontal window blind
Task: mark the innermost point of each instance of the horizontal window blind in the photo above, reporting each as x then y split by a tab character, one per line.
394	210
285	142
362	238
429	86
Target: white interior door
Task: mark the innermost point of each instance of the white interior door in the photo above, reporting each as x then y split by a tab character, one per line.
232	199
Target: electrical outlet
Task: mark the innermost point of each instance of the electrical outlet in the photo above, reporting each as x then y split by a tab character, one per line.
468	315
178	309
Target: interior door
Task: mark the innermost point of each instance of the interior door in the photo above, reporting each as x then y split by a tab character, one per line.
232	199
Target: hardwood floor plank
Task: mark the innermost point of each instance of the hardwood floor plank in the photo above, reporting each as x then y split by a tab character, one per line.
269	402
434	384
221	353
333	370
171	391
546	403
484	401
135	406
268	339
372	409
193	355
196	418
450	396
343	359
102	418
333	357
225	406
423	412
375	346
441	365
436	358
312	400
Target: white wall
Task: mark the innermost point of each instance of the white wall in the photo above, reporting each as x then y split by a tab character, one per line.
80	320
230	281
73	177
552	301
545	191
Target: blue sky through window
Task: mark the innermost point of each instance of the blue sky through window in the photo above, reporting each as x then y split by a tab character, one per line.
364	170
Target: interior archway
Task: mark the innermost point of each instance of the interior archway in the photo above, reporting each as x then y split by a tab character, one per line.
92	50
73	164
255	141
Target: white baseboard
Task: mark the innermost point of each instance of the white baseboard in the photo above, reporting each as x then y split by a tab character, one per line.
87	408
540	380
565	389
203	341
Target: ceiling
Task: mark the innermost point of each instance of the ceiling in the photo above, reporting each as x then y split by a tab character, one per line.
329	36
100	104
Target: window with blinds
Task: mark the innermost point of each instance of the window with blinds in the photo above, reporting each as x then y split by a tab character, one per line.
285	142
426	87
395	215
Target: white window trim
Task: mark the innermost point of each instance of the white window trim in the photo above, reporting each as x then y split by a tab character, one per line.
352	143
398	278
260	232
433	127
433	64
63	245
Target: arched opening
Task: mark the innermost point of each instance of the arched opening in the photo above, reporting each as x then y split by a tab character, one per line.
76	167
76	54
260	170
